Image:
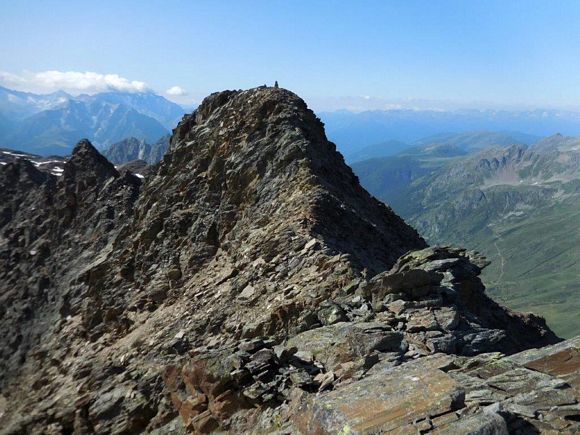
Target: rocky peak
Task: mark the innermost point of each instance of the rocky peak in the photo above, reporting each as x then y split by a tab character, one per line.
49	227
127	150
87	163
262	153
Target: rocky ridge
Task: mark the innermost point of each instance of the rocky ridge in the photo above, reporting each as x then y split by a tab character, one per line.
248	284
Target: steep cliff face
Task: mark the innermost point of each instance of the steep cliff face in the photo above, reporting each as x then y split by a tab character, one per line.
247	272
50	226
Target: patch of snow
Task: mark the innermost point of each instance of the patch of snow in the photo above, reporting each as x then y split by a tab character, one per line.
140	176
57	171
14	154
47	162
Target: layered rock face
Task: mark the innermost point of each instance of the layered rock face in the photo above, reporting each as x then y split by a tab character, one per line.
248	284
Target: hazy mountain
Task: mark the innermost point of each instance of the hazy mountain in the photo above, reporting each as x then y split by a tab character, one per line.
131	149
6	126
382	149
354	131
558	142
476	140
451	142
55	131
390	178
391	175
51	124
16	105
146	103
158	149
501	201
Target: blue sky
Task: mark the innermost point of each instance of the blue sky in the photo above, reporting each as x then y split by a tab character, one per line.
333	53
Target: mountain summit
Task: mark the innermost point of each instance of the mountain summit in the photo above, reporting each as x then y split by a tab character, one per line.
246	273
258	161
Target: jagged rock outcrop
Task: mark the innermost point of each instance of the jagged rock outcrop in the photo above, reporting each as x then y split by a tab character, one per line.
248	272
526	393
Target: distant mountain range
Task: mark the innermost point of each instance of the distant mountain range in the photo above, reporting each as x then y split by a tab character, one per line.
518	204
53	123
352	132
454	142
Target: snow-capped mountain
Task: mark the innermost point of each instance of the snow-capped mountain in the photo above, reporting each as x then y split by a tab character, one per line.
19	105
146	103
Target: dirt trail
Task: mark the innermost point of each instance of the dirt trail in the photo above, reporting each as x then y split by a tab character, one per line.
501	259
498	281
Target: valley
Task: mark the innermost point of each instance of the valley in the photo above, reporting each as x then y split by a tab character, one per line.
519	205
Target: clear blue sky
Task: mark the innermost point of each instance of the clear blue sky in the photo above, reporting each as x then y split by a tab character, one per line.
505	52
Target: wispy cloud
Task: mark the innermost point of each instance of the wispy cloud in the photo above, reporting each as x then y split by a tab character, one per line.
176	91
70	81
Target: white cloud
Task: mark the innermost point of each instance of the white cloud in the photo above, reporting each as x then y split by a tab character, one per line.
73	82
176	91
9	79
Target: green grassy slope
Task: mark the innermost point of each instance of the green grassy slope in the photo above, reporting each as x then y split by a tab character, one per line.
518	206
535	261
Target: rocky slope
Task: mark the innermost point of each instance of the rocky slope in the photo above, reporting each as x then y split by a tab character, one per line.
248	284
